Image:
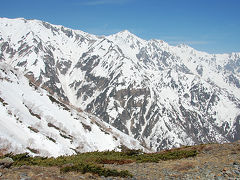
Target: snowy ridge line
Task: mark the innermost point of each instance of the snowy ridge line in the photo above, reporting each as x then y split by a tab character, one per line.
163	96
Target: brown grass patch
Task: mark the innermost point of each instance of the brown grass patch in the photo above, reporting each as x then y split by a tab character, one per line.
208	148
184	166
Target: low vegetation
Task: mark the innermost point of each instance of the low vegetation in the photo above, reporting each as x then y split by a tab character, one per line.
92	162
95	169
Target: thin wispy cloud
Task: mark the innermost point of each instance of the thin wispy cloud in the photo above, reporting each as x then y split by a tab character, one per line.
104	2
189	42
176	40
172	37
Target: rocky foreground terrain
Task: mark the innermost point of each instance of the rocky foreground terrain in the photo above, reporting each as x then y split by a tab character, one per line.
213	161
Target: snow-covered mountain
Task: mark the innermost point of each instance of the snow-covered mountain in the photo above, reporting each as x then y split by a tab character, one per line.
164	96
34	121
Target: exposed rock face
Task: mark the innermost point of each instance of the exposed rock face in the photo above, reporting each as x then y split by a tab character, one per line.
6	162
162	95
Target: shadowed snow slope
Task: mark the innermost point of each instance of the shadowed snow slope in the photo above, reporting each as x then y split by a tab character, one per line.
32	120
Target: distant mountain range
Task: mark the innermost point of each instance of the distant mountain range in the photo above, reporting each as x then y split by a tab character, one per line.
160	95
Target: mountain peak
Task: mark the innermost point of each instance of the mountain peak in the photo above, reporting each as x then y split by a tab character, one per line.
125	33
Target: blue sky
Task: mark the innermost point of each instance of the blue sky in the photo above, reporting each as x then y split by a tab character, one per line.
206	25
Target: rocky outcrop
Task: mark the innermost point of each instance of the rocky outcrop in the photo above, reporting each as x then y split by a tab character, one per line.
6	162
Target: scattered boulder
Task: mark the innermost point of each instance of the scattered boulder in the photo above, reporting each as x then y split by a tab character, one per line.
6	162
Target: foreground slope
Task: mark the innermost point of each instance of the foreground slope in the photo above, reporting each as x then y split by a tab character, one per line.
33	121
164	96
212	161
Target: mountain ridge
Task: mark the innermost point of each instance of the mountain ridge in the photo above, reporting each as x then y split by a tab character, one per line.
164	96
